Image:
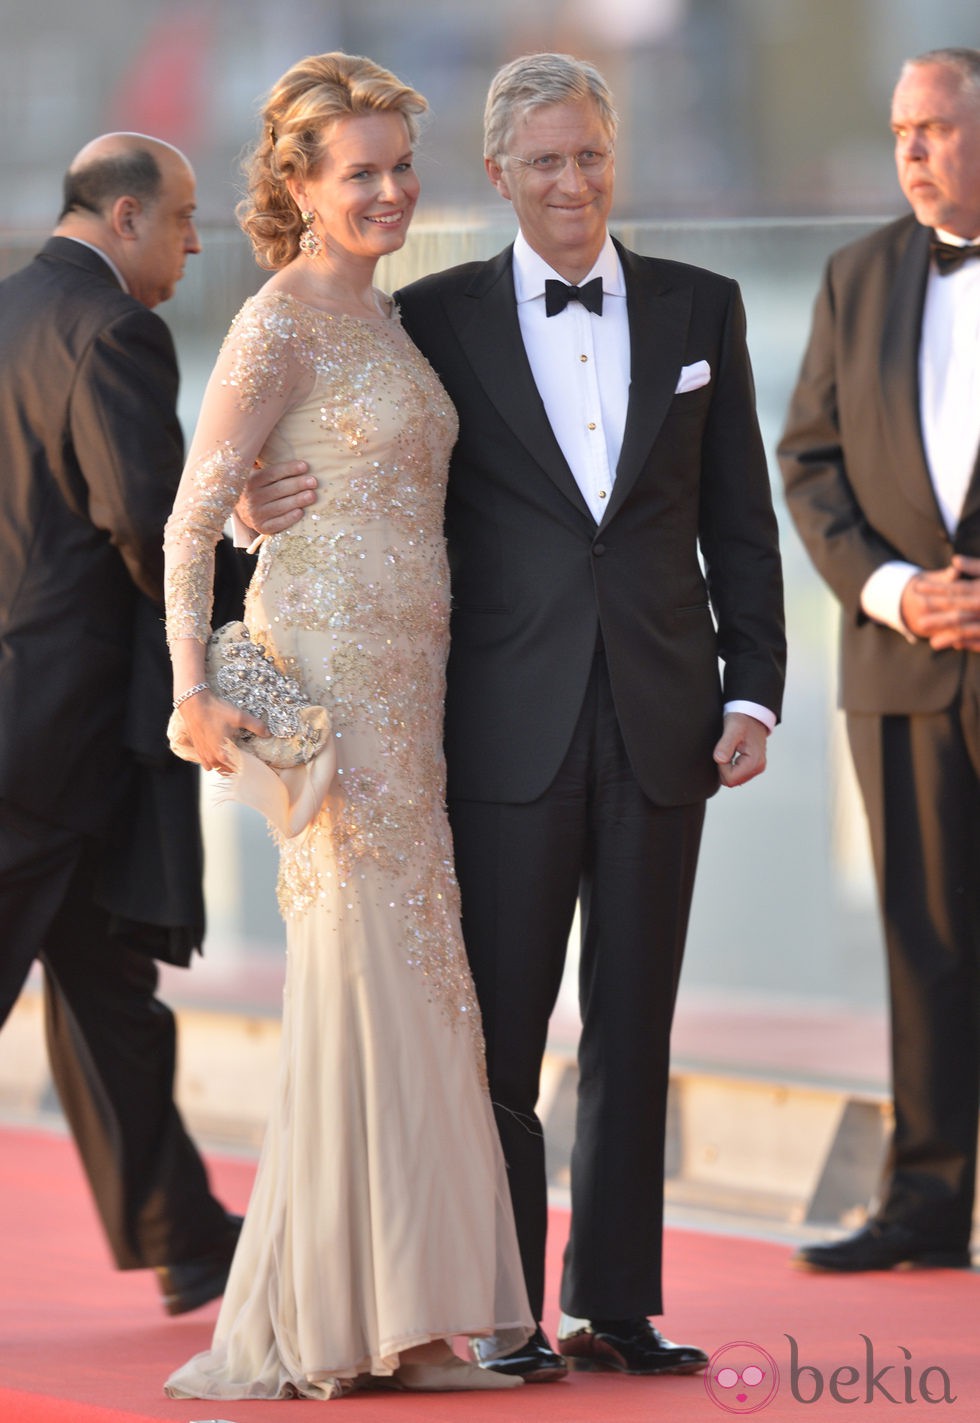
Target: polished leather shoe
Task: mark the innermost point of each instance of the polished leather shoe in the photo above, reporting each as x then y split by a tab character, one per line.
189	1284
628	1346
880	1246
534	1362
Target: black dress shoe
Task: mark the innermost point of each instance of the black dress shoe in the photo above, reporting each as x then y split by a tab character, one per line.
534	1362
189	1284
629	1346
880	1246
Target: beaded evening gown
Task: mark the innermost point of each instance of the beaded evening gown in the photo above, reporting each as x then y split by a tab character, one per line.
380	1216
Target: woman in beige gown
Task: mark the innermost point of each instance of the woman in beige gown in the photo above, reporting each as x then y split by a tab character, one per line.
380	1222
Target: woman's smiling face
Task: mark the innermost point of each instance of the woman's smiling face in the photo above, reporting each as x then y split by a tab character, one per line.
364	188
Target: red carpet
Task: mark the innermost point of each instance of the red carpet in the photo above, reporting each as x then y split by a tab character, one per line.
80	1343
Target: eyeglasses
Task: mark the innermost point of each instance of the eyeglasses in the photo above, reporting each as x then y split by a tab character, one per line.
549	165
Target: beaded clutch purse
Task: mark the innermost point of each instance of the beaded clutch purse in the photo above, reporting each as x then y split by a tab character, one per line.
241	672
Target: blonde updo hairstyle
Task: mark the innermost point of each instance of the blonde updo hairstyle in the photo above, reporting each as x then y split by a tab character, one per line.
296	117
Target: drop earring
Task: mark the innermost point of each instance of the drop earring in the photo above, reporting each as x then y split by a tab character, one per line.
309	242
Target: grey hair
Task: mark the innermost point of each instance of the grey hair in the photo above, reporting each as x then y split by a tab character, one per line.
965	63
535	80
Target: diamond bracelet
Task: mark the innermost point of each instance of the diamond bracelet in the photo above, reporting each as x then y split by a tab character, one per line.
191	692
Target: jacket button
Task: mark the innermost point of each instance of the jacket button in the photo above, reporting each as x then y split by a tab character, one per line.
598	550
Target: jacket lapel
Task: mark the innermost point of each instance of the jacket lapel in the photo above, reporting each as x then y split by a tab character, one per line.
971	504
485	317
899	375
659	315
969	524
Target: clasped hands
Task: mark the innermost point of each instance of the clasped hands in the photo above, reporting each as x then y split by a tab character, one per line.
942	605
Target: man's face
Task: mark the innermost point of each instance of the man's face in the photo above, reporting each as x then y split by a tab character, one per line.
563	215
164	236
936	124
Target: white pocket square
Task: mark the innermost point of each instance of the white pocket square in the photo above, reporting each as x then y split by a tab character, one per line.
693	377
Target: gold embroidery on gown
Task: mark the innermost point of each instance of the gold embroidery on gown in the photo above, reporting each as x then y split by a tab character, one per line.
380	1217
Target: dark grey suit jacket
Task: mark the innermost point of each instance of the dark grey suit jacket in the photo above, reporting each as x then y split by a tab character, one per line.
536	581
854	465
92	453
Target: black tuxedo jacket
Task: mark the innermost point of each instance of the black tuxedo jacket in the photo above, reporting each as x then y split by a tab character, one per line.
92	454
855	470
536	582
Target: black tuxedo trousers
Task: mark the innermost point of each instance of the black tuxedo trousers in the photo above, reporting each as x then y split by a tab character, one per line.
593	836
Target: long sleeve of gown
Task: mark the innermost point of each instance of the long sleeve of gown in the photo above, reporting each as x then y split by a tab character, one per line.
259	374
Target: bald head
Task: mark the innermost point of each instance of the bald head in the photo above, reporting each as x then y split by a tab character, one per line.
133	197
114	166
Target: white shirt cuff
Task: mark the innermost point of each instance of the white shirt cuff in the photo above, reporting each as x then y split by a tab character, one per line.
243	535
762	714
881	596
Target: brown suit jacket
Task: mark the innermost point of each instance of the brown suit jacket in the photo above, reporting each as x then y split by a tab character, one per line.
854	466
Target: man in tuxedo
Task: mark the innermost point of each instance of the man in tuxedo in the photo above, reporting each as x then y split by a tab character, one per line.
607	433
880	460
100	848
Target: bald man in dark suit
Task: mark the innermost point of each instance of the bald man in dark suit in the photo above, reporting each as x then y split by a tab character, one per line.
100	847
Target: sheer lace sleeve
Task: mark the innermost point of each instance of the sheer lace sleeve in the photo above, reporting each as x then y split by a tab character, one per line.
257	378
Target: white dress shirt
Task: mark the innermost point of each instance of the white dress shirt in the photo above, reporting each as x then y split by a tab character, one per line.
581	366
949	411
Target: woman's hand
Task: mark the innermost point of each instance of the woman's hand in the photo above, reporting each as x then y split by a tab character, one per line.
212	724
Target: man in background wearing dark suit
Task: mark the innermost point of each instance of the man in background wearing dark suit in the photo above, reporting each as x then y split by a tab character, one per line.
880	460
601	447
100	848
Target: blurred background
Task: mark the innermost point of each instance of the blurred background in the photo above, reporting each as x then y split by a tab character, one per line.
732	108
754	140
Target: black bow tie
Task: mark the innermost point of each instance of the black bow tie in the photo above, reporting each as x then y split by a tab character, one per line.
949	258
557	295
